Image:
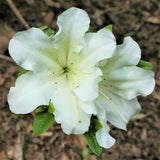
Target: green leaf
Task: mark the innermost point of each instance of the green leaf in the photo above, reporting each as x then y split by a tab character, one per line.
97	124
42	122
145	65
91	140
22	71
90	29
85	153
51	108
15	116
43	27
42	108
110	27
90	136
48	31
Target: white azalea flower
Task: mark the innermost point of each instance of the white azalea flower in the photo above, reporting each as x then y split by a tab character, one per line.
62	69
122	82
81	73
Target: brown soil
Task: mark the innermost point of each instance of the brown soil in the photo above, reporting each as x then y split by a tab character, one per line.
137	18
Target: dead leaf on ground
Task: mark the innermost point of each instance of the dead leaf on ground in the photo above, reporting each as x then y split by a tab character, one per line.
3	155
144	134
48	18
15	151
30	2
156	124
49	3
139	116
136	151
156	95
64	156
78	140
92	157
35	156
154	20
6	33
47	134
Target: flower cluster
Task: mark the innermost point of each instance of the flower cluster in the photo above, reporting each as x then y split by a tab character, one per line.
81	73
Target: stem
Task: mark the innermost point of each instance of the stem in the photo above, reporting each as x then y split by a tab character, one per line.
6	58
18	14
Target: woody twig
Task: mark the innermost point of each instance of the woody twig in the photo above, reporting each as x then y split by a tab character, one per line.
18	14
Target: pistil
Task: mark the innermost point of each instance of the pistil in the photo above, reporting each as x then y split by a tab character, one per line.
77	110
110	100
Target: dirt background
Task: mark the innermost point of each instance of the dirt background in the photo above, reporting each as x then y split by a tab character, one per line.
137	18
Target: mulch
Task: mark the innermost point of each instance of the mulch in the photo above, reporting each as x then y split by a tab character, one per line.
137	18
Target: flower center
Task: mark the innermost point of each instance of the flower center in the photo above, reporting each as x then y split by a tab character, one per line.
66	72
66	69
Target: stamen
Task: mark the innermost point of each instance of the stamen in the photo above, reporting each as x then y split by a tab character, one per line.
108	87
72	80
77	86
60	79
60	62
72	63
110	100
57	73
77	111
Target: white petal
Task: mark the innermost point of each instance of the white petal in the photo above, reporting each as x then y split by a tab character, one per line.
99	46
73	23
130	82
88	107
33	50
126	54
103	137
117	110
87	84
68	110
30	91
